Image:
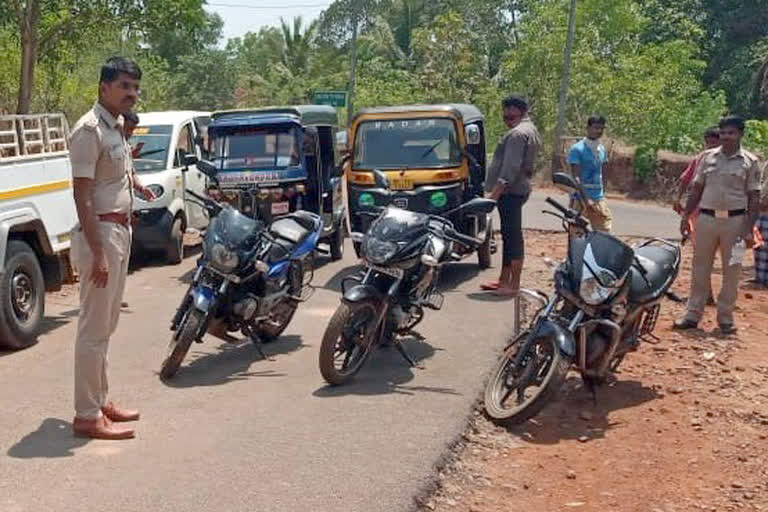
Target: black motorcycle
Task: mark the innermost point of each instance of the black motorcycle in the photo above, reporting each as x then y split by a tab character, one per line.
250	278
402	253
607	299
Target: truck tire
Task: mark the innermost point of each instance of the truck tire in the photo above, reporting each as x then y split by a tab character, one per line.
22	297
174	254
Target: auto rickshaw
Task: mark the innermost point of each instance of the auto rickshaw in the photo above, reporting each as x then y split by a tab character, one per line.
423	158
276	160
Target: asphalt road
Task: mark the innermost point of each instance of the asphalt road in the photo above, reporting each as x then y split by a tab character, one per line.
629	218
236	433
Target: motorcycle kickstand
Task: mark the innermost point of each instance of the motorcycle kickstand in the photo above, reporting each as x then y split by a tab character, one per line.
257	343
400	348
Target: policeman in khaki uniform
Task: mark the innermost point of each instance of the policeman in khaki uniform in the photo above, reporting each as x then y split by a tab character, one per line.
103	190
727	190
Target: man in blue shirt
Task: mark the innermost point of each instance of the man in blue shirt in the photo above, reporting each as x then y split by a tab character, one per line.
586	159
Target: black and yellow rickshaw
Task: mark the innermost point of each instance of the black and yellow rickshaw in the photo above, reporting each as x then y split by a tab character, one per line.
423	158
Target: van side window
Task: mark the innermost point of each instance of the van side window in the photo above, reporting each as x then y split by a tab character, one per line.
184	146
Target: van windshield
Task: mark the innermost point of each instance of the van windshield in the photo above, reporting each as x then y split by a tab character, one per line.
407	144
152	142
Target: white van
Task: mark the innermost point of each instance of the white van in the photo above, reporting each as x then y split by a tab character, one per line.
163	140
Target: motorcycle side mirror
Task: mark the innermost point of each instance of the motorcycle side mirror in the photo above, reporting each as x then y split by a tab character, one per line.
188	161
565	181
476	206
380	179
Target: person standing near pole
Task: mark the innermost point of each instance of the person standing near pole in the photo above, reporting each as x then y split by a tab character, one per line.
103	189
586	159
509	183
726	189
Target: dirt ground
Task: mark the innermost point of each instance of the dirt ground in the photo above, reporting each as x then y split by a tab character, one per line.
685	427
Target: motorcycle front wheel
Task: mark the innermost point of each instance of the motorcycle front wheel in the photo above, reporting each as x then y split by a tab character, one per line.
348	341
180	342
527	377
278	321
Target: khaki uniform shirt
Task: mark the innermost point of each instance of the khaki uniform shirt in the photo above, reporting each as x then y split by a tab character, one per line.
99	151
515	159
727	180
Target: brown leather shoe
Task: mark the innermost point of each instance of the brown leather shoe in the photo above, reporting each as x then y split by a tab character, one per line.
101	428
115	413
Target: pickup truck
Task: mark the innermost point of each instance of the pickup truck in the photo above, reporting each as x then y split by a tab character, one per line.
37	213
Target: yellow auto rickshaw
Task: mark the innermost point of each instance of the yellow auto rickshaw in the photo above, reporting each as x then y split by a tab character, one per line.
424	158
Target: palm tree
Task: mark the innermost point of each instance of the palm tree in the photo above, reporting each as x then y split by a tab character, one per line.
297	44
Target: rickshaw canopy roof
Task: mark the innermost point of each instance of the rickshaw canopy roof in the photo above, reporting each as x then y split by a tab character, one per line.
466	112
307	115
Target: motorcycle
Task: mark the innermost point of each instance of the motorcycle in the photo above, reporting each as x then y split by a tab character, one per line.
402	253
250	278
606	300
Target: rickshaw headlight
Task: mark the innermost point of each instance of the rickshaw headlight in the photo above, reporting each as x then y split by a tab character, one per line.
438	199
366	199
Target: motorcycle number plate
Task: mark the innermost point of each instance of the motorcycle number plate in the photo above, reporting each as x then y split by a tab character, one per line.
280	208
402	184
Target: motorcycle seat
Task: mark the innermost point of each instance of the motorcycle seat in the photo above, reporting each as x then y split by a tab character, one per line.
290	229
658	264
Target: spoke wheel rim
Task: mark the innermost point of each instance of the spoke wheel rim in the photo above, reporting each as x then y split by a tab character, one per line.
509	380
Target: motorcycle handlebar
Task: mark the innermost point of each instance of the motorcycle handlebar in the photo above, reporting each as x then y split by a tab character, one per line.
207	201
466	240
565	211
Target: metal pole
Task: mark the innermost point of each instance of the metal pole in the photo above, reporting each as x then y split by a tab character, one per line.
564	83
352	71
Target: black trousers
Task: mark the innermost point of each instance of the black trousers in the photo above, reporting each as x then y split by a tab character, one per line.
511	212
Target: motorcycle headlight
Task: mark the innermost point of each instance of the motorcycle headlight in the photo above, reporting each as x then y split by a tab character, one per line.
224	259
595	293
378	251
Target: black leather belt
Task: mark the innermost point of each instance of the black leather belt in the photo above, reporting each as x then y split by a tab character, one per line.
723	213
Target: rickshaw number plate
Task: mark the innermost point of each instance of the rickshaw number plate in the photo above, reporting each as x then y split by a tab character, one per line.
402	184
280	208
401	202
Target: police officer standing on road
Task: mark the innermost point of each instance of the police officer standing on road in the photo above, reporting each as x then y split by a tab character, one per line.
103	190
727	190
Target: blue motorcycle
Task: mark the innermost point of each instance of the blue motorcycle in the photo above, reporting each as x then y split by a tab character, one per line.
249	279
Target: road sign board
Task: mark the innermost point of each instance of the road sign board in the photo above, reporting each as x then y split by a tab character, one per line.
332	98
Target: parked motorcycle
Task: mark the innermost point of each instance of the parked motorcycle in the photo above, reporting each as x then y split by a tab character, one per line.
250	278
607	299
403	253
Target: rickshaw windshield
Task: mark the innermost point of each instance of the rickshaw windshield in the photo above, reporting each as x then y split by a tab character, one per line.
407	144
256	148
152	142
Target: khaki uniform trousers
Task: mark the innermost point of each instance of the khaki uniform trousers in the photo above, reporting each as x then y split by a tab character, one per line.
597	213
711	233
99	313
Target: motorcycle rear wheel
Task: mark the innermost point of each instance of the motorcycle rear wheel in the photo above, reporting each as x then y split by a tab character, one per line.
180	342
542	365
347	342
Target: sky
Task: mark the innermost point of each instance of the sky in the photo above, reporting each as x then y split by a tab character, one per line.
241	16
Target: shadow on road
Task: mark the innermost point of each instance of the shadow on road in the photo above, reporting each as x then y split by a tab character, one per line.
488	297
454	275
562	421
387	372
231	363
52	439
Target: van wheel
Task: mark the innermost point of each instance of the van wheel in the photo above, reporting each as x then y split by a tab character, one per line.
174	254
22	297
